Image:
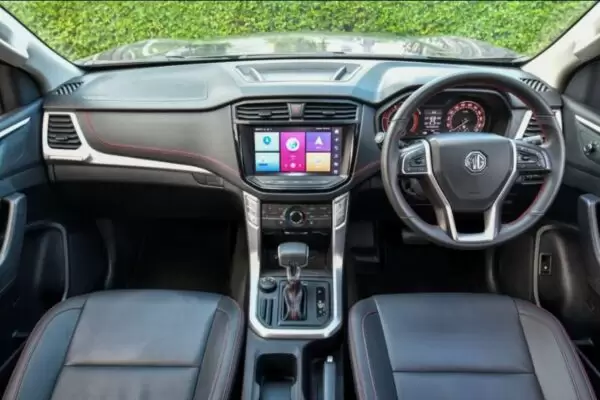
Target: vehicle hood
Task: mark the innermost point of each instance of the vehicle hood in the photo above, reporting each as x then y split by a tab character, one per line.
291	43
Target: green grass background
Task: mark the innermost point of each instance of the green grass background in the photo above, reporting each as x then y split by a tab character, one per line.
78	29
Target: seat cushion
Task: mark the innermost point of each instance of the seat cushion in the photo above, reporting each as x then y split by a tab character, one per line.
138	344
461	346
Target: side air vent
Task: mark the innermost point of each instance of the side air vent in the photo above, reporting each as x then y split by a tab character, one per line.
533	128
330	111
61	132
536	85
67	88
263	111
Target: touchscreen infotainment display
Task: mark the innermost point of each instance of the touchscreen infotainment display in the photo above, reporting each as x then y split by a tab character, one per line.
298	150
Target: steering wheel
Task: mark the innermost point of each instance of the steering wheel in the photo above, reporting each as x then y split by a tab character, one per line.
471	172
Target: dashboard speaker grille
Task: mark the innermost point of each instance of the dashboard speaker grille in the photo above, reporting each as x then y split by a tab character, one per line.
263	112
330	111
61	132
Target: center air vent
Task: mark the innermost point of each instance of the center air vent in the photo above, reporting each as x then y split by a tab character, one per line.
67	88
263	111
61	132
330	111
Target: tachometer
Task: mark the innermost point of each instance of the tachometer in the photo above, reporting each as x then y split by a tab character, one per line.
466	116
388	114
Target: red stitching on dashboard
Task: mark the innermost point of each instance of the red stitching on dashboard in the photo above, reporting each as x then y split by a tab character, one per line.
183	153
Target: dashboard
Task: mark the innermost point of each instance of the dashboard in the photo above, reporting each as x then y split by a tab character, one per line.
232	126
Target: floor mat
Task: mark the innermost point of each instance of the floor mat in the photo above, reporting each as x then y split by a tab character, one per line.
184	256
423	268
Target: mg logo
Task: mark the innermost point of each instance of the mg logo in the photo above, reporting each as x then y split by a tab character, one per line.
475	162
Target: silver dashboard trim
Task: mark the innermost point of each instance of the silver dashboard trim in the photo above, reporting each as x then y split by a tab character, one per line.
527	118
338	239
85	154
7	131
588	124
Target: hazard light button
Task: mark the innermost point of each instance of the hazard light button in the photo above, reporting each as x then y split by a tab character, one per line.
296	110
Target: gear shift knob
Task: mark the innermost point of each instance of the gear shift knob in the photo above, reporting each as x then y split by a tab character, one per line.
293	256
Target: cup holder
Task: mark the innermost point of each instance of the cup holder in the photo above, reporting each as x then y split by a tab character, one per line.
276	374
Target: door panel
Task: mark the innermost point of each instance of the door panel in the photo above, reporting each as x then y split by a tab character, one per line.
581	128
21	170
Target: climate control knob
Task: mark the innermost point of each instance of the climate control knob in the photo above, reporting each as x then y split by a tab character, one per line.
296	217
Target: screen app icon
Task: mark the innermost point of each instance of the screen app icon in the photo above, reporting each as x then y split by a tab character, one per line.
293	152
318	162
267	162
266	141
318	141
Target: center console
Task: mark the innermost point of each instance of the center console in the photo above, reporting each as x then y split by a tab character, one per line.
296	257
324	225
297	151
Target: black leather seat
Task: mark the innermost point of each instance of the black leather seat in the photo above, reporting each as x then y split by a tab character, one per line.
132	345
455	346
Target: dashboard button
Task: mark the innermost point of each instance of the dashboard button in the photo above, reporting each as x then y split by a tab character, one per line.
296	217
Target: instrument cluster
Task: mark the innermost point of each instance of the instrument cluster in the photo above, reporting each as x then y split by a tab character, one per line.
446	113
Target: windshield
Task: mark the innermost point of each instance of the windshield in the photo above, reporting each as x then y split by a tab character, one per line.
124	31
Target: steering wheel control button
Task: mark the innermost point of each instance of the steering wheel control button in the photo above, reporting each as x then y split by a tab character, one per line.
531	160
414	162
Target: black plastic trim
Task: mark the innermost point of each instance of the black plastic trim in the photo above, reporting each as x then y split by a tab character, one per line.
587	216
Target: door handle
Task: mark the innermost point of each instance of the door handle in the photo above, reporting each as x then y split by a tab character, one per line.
12	243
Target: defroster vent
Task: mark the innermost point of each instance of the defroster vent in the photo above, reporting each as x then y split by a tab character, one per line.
61	132
67	88
330	111
263	112
536	85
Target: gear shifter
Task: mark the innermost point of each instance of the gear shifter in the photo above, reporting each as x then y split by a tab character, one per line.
293	256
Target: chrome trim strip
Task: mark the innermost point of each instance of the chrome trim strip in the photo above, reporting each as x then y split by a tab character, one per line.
527	118
87	155
338	241
588	124
492	222
14	127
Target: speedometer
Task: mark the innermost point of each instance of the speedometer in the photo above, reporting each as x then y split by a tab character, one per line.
388	114
466	116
